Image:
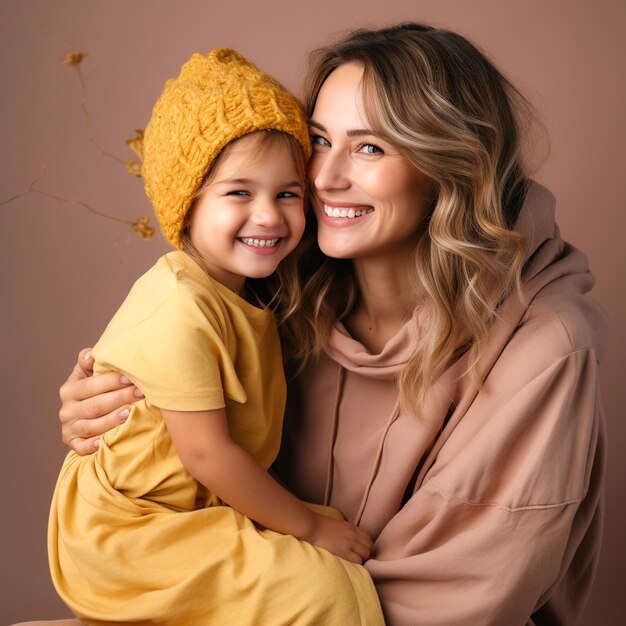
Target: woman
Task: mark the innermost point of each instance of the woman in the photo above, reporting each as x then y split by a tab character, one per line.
449	402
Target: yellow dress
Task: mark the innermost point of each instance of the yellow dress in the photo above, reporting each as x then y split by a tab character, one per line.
133	538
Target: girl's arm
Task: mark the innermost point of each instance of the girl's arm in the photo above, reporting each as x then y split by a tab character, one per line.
203	443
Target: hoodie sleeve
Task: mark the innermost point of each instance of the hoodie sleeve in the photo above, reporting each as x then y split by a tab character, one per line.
506	522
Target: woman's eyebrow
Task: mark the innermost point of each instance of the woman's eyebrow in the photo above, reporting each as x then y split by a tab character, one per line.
358	132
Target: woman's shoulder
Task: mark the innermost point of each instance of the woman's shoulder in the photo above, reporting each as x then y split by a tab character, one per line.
558	324
535	420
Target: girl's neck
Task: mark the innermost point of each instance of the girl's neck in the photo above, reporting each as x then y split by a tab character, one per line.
237	284
387	299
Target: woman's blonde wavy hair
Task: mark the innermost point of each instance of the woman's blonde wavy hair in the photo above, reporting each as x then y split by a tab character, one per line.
456	118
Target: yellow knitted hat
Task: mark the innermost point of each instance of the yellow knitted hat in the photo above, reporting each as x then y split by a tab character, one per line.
215	99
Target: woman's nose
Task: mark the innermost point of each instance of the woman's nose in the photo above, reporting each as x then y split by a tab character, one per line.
329	171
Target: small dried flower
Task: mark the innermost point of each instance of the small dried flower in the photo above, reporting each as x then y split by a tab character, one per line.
74	59
143	228
133	167
136	143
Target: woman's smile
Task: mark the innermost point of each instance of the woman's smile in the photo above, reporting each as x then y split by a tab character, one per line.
340	212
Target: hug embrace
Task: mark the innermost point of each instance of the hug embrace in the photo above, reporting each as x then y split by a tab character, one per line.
363	388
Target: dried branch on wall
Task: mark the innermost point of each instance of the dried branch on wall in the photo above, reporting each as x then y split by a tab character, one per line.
141	226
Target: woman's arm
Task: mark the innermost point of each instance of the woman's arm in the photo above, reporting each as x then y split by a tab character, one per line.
92	405
203	443
507	523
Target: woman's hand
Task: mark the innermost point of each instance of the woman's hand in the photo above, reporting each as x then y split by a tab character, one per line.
91	405
341	538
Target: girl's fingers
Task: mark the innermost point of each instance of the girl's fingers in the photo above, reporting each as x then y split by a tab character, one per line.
363	539
362	550
355	557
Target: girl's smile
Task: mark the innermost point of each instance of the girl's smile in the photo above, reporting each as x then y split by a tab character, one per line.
263	246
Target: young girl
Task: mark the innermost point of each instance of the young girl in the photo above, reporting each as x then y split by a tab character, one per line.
140	531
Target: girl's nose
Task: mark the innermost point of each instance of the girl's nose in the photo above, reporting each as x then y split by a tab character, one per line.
267	213
329	171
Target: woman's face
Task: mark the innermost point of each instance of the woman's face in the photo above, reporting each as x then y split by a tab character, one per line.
369	200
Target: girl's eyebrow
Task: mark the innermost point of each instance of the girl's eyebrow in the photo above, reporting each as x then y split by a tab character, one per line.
250	181
235	181
359	132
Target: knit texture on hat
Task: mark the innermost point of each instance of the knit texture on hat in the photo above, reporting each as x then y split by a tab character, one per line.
215	99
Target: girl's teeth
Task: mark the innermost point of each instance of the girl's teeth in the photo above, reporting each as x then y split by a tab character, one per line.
260	243
347	213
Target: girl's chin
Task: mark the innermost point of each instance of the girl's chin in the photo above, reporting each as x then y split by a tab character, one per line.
261	274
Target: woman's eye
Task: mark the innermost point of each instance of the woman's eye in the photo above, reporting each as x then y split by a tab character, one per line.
370	148
319	140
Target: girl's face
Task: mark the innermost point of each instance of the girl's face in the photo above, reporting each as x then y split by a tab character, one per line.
369	200
251	215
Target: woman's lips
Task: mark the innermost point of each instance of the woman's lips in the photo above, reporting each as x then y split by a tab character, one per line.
346	212
343	213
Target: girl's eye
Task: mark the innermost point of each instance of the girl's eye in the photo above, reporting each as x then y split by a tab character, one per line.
288	194
319	140
370	148
237	192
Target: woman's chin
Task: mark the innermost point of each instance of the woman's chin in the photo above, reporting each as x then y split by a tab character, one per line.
335	251
339	243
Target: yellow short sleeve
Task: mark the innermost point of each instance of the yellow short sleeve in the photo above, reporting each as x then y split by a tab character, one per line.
172	350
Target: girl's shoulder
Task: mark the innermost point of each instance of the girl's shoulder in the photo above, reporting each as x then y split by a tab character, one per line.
179	283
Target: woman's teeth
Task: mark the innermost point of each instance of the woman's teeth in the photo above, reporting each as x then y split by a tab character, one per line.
349	213
260	243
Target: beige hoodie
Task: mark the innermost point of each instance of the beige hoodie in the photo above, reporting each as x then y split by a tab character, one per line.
488	509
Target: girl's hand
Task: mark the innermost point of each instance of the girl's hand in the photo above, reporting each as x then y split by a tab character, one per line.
341	538
92	405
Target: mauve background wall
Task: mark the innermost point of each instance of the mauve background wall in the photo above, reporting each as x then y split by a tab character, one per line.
65	270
